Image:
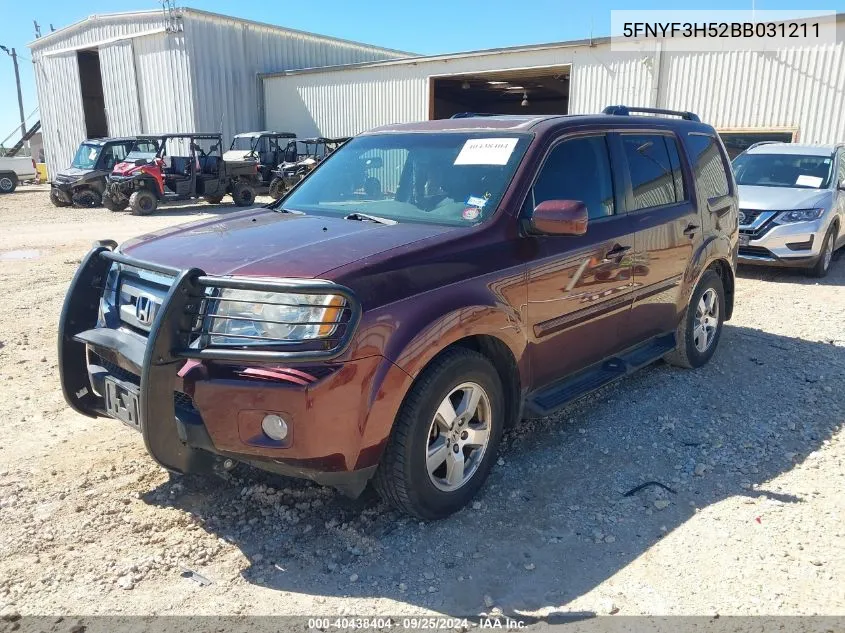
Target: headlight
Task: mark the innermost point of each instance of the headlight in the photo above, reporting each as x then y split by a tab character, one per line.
799	215
253	317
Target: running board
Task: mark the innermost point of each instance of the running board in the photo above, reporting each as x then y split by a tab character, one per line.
561	393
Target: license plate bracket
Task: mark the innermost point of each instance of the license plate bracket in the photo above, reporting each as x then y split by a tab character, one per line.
122	402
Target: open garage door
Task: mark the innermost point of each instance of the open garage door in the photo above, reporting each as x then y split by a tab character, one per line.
527	91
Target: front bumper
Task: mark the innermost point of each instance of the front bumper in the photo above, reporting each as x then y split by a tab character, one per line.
197	406
794	245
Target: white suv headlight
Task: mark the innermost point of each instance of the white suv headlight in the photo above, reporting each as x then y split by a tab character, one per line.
798	215
254	317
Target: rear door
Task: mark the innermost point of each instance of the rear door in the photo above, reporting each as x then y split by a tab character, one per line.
579	287
668	229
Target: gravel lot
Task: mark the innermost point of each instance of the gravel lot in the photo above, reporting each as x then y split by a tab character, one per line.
752	445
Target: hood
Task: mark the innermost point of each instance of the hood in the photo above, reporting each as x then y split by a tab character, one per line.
72	173
238	155
260	242
758	198
128	167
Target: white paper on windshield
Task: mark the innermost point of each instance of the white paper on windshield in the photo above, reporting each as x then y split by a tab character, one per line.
486	151
809	181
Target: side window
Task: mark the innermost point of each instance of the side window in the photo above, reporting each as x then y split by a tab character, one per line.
578	169
113	154
707	165
653	175
677	172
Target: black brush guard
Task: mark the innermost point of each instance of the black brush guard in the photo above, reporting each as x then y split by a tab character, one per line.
167	345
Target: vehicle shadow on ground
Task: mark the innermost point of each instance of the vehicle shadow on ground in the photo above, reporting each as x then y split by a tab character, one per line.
835	275
553	521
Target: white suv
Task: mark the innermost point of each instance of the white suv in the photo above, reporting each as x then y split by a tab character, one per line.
792	205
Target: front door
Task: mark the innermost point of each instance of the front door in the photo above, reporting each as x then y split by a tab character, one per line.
579	287
668	230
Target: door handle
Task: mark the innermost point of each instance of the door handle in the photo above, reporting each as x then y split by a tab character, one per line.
615	254
690	230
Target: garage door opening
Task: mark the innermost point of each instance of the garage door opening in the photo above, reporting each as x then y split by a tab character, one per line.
536	91
93	102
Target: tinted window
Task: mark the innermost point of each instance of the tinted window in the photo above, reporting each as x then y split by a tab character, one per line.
707	165
651	170
578	169
677	173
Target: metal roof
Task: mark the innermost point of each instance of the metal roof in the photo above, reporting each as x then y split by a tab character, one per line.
129	15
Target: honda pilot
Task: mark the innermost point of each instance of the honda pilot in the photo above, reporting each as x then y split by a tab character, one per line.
426	286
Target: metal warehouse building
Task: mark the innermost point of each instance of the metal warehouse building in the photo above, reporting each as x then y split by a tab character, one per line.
161	71
789	94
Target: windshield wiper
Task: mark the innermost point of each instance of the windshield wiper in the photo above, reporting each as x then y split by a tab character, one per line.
357	215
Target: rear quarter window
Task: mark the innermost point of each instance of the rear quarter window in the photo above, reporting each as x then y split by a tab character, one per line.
708	166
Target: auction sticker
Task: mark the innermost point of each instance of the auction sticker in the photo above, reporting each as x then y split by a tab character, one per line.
486	151
471	213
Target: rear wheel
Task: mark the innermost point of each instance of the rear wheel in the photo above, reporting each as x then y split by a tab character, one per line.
445	437
86	199
213	199
243	194
57	199
142	202
823	264
8	182
277	188
114	204
700	328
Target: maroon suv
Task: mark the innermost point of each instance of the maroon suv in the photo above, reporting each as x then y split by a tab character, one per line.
426	286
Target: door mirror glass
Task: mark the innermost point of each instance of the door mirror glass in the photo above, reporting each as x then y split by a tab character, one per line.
559	217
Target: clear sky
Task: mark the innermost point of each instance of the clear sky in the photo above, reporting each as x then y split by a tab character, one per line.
426	27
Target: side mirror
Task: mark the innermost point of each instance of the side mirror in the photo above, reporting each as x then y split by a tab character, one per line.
841	184
559	217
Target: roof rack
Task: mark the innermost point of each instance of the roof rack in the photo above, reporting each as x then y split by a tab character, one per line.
621	110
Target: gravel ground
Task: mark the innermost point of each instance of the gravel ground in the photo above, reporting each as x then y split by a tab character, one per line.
751	446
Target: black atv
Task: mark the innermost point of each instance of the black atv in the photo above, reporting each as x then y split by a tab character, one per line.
185	166
267	148
83	184
309	154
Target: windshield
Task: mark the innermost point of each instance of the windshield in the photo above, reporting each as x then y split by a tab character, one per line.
450	178
783	170
243	143
86	156
145	149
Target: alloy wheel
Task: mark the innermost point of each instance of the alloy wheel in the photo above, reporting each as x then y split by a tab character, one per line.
706	320
827	255
458	436
6	183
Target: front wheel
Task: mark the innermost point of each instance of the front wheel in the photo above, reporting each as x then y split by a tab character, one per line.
213	199
826	257
114	204
86	199
57	199
277	188
143	202
243	194
8	183
445	437
700	327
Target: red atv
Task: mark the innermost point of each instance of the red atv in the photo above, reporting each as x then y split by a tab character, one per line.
178	167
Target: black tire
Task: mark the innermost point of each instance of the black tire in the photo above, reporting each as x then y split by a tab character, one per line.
243	194
57	200
277	188
114	204
8	182
86	199
822	266
213	199
402	478
687	354
143	202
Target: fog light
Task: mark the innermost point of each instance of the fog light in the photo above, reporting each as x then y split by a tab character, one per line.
274	427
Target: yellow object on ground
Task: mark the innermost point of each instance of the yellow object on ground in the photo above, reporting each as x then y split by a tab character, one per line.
41	168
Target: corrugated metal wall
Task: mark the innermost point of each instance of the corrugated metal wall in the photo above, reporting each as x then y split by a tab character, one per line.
60	104
792	88
184	81
120	88
228	54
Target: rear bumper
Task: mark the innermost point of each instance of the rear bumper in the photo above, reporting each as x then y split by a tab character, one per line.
196	412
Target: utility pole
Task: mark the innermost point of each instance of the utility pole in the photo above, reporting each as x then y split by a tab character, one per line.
14	57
